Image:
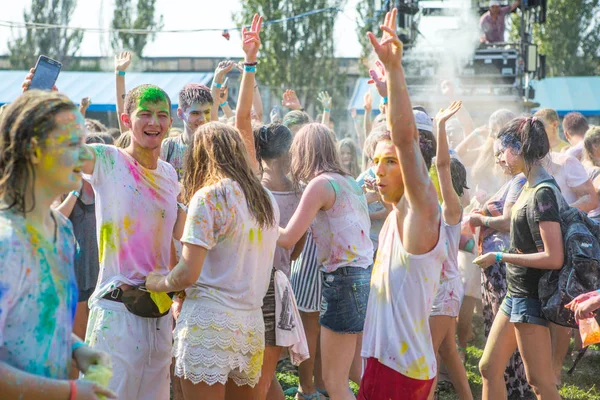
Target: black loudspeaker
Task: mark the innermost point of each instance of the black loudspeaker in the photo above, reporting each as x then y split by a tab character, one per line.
542	66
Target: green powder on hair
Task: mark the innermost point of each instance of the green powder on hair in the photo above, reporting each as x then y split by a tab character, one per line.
152	95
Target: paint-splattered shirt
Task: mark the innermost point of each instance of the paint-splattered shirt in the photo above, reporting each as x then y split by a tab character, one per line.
403	287
136	210
342	232
38	296
172	150
237	267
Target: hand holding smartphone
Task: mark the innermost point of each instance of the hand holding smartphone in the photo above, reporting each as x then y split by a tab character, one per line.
45	74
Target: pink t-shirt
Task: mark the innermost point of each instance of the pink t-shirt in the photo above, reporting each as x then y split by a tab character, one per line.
342	232
403	287
494	29
136	209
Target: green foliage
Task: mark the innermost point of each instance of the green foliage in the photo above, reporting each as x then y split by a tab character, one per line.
124	18
570	37
60	44
297	54
368	21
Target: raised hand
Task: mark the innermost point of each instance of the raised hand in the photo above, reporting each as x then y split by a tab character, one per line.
447	89
325	99
378	78
290	100
353	113
444	115
389	47
224	94
368	102
85	103
122	61
251	38
223	68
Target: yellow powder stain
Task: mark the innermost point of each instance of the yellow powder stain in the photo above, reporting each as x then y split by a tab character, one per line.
255	363
259	234
128	225
403	348
218	207
108	231
251	235
418	369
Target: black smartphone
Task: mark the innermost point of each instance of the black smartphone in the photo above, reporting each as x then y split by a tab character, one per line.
225	83
45	74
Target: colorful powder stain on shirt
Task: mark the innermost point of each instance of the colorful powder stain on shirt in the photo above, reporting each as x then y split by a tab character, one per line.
106	239
418	368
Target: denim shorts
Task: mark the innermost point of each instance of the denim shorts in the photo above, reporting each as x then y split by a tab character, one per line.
524	310
344	299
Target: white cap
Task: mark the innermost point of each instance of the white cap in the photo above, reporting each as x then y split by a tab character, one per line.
495	3
423	121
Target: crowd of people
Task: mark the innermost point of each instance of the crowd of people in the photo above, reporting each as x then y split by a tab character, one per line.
191	262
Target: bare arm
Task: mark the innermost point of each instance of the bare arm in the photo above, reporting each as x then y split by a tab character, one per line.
298	248
185	274
257	104
317	195
553	255
84	105
243	119
452	209
419	191
325	100
67	206
587	197
221	71
223	97
122	61
368	106
515	5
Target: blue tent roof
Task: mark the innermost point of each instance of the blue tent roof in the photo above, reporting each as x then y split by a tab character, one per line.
100	86
566	94
563	94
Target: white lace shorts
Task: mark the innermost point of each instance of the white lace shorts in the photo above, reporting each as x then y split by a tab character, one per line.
213	343
448	298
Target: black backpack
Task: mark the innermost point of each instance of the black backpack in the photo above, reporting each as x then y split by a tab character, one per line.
581	270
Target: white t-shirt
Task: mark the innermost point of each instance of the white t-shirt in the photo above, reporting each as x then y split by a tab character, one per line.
136	209
237	268
450	266
568	173
576	151
403	287
38	296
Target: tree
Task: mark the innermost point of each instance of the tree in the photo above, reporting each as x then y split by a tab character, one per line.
570	37
123	18
297	54
368	21
60	44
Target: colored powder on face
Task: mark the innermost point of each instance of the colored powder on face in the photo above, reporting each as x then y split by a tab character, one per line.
152	95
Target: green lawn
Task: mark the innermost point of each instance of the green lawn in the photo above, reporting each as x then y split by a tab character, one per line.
584	384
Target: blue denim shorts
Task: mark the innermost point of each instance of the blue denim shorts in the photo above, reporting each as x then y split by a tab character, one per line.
523	309
344	299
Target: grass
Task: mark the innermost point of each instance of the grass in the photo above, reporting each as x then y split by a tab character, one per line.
584	384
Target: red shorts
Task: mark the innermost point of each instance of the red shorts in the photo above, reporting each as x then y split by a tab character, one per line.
381	382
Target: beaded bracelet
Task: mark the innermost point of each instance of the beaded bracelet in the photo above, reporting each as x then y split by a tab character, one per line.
250	68
250	64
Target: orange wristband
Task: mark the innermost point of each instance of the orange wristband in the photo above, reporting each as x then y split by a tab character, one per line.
73	395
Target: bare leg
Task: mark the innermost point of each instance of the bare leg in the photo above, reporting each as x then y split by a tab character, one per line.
275	390
535	346
235	392
176	383
465	321
337	355
561	339
310	320
271	356
202	391
357	364
456	369
318	372
439	326
500	346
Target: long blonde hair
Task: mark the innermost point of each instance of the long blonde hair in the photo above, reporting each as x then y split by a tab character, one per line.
591	139
353	169
314	152
218	152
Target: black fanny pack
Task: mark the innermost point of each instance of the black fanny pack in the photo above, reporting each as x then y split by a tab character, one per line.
137	300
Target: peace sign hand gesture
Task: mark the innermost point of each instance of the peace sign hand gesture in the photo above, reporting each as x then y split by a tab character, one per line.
251	38
389	47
